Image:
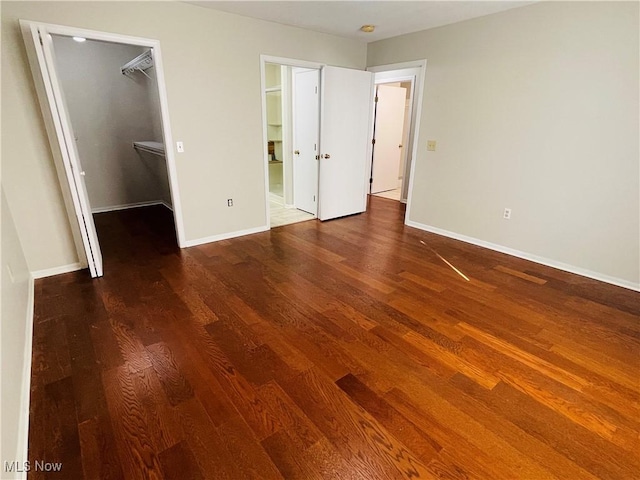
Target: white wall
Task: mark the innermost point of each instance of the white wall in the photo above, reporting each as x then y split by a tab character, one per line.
535	109
17	310
212	71
109	111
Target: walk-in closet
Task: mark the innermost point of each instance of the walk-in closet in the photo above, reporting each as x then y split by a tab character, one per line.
112	101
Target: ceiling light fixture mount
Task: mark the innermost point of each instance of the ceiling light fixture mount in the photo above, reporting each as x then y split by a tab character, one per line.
368	28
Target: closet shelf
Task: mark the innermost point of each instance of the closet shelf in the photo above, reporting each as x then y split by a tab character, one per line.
139	64
156	148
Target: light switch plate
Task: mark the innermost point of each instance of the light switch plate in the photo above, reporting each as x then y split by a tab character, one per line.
180	147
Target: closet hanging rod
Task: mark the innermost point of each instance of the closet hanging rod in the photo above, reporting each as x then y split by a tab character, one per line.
138	64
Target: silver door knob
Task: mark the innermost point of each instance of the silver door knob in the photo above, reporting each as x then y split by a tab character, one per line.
326	155
297	152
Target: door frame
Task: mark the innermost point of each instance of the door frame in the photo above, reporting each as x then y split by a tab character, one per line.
392	73
37	62
289	62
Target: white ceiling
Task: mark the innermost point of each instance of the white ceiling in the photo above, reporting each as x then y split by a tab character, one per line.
391	18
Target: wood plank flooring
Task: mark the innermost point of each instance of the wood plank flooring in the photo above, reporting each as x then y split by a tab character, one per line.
338	350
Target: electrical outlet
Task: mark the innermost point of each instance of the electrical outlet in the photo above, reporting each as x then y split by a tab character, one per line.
229	202
180	147
431	145
507	214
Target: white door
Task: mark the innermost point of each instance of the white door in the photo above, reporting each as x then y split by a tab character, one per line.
345	141
387	151
306	112
73	169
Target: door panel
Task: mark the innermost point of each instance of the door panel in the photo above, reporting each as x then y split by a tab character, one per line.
345	140
71	159
387	150
306	112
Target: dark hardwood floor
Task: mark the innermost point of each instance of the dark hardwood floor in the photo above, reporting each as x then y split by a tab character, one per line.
338	350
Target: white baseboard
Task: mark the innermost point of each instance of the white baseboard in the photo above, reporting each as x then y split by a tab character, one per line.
276	198
125	206
225	236
49	272
25	387
528	256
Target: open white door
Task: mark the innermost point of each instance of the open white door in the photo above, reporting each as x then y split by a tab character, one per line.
387	151
306	113
345	141
75	175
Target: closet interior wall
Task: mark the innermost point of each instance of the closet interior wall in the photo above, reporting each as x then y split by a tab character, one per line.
109	111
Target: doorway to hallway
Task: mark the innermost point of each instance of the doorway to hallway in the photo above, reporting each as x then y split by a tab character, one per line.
399	90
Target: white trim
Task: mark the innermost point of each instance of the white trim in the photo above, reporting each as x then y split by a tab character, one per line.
291	62
126	206
265	140
45	65
528	256
49	272
418	96
286	81
25	387
174	187
276	198
226	236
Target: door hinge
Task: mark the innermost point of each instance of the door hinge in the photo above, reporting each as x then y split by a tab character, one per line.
376	99
373	141
40	37
371	180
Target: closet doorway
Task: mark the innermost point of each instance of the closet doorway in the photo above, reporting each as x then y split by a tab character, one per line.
292	113
107	104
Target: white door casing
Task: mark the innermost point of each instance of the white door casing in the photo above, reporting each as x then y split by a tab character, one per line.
40	53
345	141
73	168
387	150
306	112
